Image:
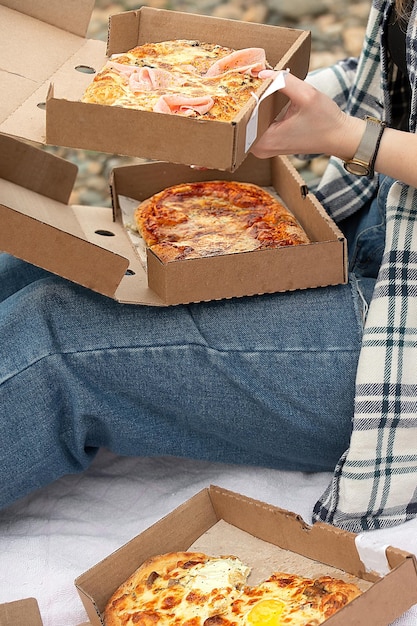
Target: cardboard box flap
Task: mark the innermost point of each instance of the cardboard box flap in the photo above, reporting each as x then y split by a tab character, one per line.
32	50
36	170
40	227
72	16
70	249
20	613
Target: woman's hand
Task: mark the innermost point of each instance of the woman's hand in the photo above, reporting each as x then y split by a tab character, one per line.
312	123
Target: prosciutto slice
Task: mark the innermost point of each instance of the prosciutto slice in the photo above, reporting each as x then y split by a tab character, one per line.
183	105
248	61
121	68
149	79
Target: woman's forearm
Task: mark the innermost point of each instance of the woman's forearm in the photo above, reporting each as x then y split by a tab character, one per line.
314	124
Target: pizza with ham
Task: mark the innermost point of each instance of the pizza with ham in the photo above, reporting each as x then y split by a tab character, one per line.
182	77
194	589
207	218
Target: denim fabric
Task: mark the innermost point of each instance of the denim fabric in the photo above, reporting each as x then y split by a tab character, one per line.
365	233
267	380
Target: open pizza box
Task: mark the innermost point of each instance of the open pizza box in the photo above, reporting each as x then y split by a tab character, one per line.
217	522
319	263
92	246
47	63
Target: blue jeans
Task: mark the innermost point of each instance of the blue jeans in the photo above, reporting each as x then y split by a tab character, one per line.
266	380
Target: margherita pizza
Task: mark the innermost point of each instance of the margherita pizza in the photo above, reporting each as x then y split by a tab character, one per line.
183	77
193	589
208	218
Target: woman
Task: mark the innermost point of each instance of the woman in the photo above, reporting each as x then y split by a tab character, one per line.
267	380
375	482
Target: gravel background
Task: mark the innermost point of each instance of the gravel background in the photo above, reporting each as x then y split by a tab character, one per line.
337	28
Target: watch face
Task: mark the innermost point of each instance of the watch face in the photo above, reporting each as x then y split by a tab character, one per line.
357	167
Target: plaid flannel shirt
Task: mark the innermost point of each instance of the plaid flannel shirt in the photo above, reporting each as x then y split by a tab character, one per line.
375	482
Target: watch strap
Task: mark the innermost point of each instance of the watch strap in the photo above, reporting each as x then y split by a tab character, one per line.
369	145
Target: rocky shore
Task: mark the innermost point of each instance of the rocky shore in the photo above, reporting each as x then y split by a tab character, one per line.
337	28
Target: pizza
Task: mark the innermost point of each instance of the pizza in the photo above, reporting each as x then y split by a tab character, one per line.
182	77
176	587
288	599
207	218
194	589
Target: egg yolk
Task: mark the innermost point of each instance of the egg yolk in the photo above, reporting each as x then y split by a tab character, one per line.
266	612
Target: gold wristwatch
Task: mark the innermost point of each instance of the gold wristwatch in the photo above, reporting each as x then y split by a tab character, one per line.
362	164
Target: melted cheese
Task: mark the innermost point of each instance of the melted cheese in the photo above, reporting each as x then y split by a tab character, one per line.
187	63
206	219
210	591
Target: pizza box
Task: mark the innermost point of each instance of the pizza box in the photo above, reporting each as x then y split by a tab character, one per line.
91	245
319	263
217	521
47	62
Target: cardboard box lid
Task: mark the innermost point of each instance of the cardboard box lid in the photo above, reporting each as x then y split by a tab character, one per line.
36	38
20	613
386	598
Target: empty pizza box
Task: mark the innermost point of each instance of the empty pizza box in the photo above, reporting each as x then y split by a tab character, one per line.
47	63
216	521
93	246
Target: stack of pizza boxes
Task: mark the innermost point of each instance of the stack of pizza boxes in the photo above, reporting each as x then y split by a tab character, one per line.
51	63
47	63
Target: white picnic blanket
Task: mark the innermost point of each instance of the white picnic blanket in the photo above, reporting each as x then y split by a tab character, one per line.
54	535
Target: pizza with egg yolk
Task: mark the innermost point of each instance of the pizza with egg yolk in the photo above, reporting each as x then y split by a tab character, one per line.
288	599
193	589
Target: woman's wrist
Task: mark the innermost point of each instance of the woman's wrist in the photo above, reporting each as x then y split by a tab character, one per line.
350	137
